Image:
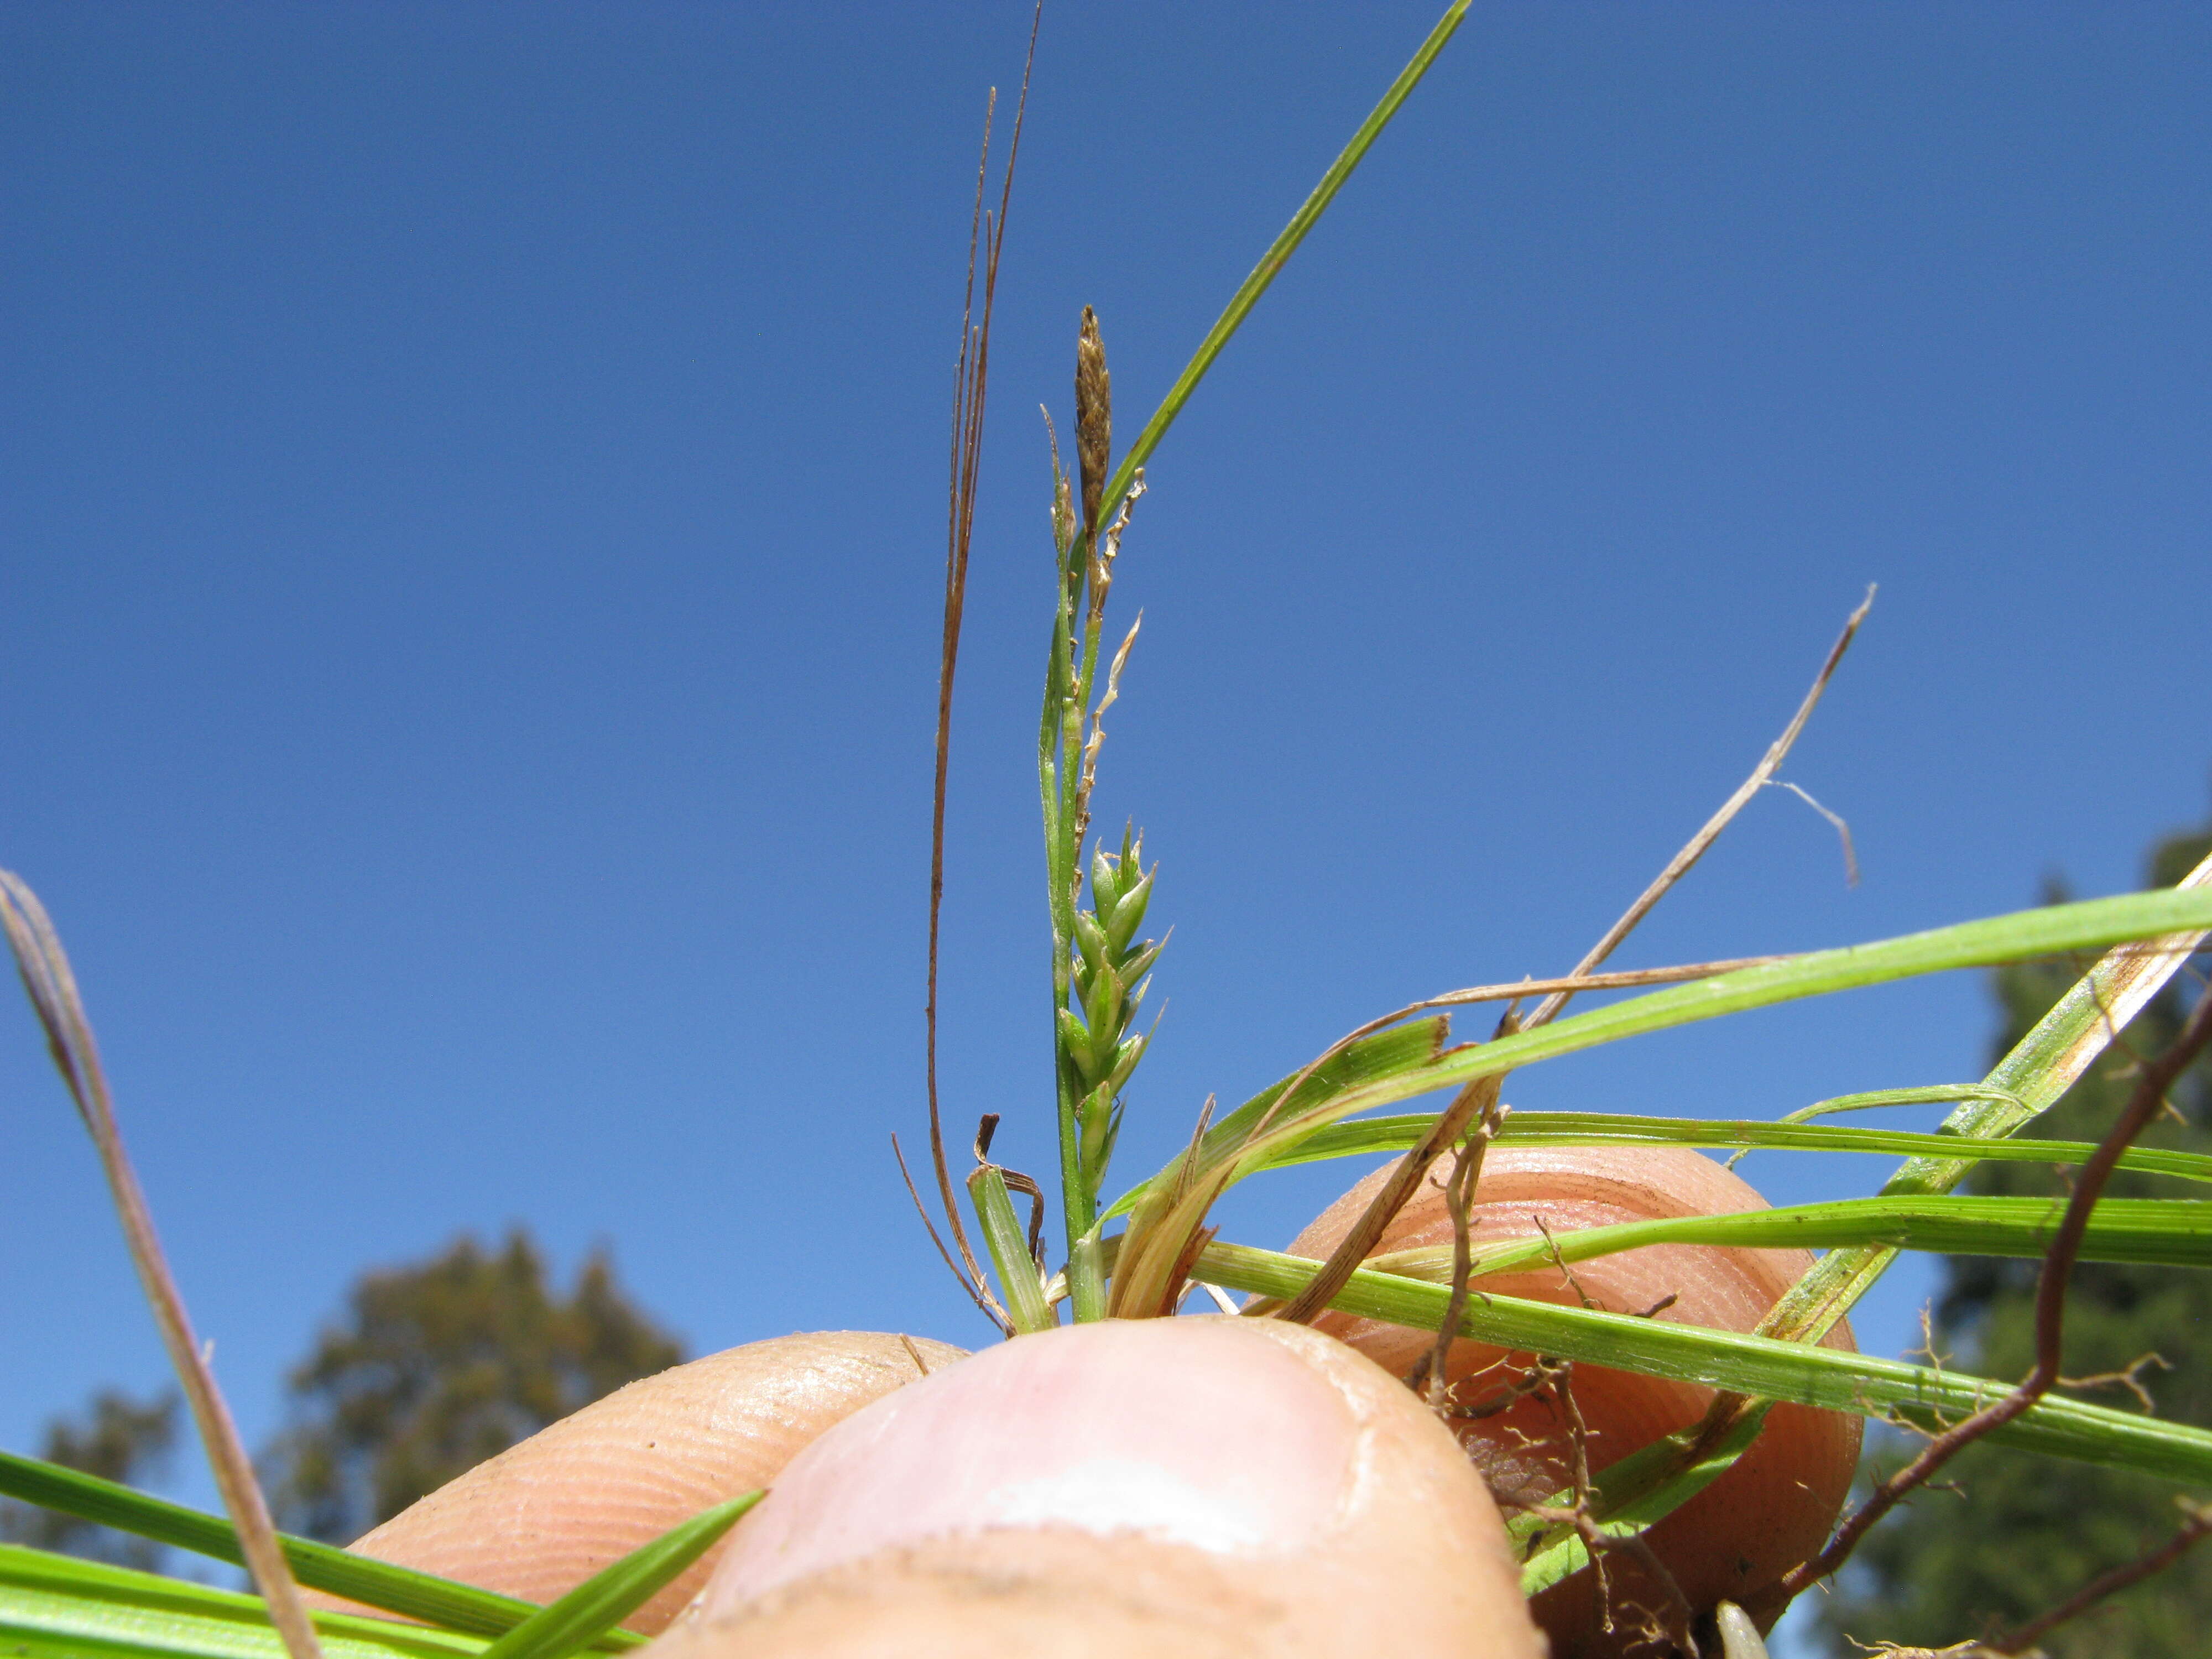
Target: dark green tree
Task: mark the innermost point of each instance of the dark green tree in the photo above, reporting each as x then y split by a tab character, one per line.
2012	1535
439	1365
118	1438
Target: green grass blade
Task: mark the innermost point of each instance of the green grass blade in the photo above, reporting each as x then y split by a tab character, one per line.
1272	262
56	1607
1565	1554
604	1599
2151	1232
440	1601
1009	1250
2063	1044
1394	1134
1928	1094
1863	1384
2052	930
1177	1201
1383	1055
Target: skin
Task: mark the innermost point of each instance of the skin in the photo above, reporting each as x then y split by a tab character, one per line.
543	1515
1771	1510
1202	1487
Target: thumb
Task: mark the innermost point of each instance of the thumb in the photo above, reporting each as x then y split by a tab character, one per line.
1203	1486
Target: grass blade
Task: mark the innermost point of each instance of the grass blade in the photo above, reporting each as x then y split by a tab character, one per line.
50	984
1863	1384
2046	1063
1364	1062
1566	1554
1278	255
2052	930
440	1601
56	1607
1394	1134
2153	1231
605	1599
1009	1250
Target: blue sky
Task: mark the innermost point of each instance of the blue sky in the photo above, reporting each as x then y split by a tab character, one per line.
471	494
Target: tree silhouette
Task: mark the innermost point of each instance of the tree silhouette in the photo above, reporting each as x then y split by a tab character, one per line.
118	1438
2020	1532
439	1365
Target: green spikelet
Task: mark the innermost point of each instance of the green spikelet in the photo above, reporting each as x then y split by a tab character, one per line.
1109	966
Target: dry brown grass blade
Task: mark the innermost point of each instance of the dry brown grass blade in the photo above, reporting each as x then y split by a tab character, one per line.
971	376
51	987
979	1295
2123	980
1479	1099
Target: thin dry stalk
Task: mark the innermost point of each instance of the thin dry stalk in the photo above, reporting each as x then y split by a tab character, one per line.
51	987
2196	1525
979	1293
1459	1198
1477	1099
1595	1540
2144	1104
1337	1270
1680	865
971	376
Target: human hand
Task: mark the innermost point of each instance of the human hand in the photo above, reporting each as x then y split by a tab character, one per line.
1204	1486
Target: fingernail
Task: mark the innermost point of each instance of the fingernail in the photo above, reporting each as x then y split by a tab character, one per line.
1181	1430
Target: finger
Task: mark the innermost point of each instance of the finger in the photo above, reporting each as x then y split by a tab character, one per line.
1769	1512
546	1515
1162	1488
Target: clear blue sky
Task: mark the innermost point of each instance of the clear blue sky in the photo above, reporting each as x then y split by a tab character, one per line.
471	501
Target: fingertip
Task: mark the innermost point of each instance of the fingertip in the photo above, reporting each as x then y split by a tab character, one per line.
549	1512
1127	1477
1769	1511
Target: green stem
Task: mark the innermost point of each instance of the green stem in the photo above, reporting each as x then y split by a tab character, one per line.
1086	1286
1828	1378
1064	703
1056	788
1009	1248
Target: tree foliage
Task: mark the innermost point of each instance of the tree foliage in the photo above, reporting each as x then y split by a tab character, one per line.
2018	1535
441	1364
116	1438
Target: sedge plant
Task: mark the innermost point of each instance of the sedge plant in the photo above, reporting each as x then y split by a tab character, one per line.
1141	1252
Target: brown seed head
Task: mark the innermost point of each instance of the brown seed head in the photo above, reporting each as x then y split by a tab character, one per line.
1094	416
